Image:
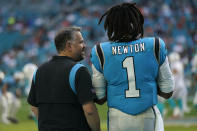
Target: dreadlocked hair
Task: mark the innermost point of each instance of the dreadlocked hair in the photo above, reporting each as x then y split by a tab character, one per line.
123	23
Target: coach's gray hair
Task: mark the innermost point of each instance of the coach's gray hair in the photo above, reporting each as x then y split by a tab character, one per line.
64	35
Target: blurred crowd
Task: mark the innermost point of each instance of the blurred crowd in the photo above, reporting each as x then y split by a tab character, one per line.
28	27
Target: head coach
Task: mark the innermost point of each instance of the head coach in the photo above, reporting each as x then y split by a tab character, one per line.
60	94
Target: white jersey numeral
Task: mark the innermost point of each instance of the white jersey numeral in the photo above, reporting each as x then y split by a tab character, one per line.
129	65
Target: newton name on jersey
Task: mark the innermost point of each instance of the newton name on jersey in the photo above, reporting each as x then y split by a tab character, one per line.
125	49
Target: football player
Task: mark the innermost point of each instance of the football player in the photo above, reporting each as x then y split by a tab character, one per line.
28	71
194	82
129	71
180	90
3	101
10	98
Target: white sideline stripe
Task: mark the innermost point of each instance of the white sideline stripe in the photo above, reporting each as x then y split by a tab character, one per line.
181	122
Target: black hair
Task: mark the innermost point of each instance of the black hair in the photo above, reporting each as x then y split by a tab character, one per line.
65	35
123	23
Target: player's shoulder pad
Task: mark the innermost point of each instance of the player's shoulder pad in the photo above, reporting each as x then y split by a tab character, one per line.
163	51
95	59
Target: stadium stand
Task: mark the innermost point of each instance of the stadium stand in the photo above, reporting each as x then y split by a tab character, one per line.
28	27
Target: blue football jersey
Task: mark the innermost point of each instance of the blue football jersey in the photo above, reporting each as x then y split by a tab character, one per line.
131	70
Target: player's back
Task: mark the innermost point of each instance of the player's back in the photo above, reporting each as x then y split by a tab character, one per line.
131	71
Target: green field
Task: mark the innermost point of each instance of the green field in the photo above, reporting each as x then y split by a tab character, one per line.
29	125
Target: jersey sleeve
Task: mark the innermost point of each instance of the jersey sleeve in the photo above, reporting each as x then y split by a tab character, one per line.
99	83
83	84
165	78
95	59
163	51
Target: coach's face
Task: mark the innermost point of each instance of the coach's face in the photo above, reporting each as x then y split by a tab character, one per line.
78	47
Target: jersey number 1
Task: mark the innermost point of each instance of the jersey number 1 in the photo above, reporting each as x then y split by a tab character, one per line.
129	65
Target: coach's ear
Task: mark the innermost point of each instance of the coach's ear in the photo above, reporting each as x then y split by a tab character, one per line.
68	46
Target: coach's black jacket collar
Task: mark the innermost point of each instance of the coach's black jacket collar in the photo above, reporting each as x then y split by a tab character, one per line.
61	58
